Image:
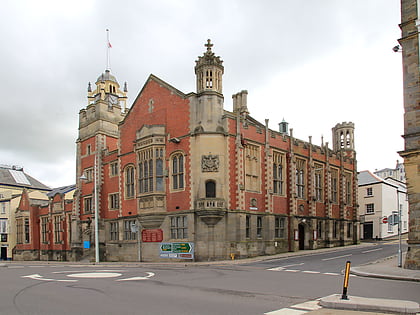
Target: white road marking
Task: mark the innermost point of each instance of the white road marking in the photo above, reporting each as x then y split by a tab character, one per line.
292	270
286	311
331	274
309	305
337	257
95	275
39	277
149	275
372	250
309	271
276	269
72	271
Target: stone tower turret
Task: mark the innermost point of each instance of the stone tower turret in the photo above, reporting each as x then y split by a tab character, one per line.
207	111
209	72
343	136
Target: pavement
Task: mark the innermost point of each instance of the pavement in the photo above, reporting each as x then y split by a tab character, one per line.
386	269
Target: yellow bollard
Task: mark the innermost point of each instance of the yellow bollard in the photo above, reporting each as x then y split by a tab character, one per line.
346	281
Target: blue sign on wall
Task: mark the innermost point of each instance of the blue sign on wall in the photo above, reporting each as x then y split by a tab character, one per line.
86	244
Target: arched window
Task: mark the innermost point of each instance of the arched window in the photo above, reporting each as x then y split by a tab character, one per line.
178	171
210	189
129	182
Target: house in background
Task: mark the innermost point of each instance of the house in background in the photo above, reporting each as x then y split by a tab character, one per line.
379	199
397	173
13	181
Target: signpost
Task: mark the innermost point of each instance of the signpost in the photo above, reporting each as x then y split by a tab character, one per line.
385	220
184	250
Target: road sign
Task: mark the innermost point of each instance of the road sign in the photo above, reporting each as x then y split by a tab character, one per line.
385	220
183	250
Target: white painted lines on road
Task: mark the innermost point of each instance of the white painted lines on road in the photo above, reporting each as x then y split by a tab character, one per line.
283	267
286	311
372	250
95	275
337	257
149	275
90	275
303	271
39	277
297	309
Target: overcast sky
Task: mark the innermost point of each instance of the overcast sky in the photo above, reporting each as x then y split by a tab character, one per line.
314	63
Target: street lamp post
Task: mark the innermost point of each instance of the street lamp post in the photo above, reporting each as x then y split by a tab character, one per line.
95	204
95	196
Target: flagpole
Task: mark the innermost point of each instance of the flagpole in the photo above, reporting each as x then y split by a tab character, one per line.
108	51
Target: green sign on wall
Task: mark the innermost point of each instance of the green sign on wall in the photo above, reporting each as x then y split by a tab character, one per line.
183	250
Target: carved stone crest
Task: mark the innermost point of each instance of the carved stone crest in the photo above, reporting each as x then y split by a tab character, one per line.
210	163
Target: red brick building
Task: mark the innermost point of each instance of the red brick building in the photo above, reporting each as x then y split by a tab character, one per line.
180	168
43	225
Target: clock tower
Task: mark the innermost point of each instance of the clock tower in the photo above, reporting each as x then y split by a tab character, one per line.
98	134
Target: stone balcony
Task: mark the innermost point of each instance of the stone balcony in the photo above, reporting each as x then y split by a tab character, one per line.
210	204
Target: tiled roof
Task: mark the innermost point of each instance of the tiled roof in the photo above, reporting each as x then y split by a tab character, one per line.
16	177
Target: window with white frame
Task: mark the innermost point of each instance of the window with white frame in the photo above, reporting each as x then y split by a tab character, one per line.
2	207
369	191
370	208
3	226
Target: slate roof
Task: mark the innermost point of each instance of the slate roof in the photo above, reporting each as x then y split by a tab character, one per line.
7	179
367	178
61	190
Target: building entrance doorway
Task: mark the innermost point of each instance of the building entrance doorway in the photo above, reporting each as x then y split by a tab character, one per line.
367	230
301	231
3	253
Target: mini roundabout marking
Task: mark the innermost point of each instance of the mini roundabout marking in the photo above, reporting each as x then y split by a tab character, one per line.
99	274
